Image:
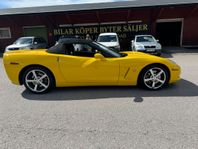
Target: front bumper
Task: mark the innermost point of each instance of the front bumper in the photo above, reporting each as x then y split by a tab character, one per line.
175	74
153	52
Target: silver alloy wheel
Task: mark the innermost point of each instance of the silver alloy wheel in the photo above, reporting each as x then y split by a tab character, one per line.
37	80
155	78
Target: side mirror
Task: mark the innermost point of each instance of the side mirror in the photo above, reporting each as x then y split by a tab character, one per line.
99	56
157	40
132	41
35	42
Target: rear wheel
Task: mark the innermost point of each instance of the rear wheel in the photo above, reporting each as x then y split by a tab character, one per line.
38	80
154	77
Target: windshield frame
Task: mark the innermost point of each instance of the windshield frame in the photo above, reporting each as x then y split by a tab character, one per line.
106	51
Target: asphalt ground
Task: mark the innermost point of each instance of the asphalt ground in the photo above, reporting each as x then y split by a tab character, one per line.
103	117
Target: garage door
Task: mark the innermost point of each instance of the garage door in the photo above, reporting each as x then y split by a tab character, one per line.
35	31
169	33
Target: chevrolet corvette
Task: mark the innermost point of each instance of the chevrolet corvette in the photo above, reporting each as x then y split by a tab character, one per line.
78	62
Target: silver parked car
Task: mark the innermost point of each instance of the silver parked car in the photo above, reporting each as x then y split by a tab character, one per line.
27	43
110	40
147	44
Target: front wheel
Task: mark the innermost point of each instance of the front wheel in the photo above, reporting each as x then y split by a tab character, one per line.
38	80
154	77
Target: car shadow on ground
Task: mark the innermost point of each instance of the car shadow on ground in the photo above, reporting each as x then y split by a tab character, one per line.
182	88
166	55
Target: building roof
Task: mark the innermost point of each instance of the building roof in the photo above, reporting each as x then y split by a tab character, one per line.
95	6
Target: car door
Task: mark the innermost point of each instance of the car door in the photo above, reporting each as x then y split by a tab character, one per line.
82	67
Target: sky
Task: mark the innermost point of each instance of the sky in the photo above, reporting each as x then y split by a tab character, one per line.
31	3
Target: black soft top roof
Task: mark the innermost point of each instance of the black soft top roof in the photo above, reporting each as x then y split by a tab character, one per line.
58	49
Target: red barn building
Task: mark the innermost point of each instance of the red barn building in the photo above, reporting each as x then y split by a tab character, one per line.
173	22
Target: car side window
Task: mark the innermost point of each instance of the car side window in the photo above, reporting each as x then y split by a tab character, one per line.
36	40
68	49
39	40
77	49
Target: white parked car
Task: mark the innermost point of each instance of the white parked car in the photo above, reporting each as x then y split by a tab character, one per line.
110	40
27	43
147	44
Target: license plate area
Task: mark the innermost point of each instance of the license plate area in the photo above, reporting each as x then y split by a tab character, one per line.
150	50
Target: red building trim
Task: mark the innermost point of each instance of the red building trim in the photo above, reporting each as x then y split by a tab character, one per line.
150	15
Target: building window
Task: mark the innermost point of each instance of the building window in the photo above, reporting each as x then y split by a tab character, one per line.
5	33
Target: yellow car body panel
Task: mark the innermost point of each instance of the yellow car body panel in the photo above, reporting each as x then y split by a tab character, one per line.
15	62
86	71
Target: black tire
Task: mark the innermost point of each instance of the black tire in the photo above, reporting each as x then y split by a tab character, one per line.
144	77
48	81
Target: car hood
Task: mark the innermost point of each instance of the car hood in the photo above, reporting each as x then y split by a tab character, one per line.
109	44
147	43
18	45
141	55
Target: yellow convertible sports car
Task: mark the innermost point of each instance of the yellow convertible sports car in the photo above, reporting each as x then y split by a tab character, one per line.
77	62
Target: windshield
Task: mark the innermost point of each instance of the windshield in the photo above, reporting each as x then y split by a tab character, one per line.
144	39
107	38
24	41
106	51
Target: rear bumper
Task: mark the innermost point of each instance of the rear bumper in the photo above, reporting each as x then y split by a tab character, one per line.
13	73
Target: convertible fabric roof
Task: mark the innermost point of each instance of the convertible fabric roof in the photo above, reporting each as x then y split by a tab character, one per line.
95	6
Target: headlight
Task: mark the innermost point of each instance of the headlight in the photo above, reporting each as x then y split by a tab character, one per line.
139	47
117	47
158	47
173	62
